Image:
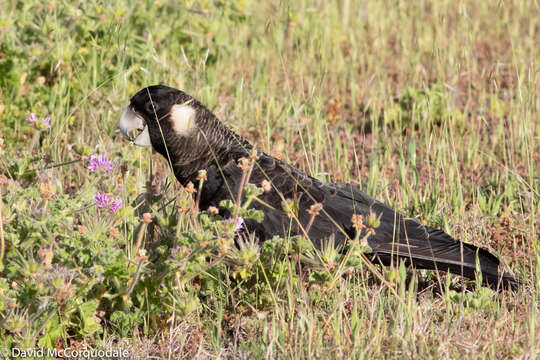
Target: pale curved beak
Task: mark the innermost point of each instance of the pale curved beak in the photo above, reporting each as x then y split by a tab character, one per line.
130	123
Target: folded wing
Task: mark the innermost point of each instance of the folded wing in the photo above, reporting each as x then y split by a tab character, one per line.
396	238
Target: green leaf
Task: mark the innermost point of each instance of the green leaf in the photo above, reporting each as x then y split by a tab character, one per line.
254	214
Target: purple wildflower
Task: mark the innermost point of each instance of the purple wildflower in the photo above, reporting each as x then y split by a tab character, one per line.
47	122
239	224
102	200
41	124
115	205
32	119
100	162
101	278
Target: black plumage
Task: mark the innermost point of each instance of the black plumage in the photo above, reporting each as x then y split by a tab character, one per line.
191	138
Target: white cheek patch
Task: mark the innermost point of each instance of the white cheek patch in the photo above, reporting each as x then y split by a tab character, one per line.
182	119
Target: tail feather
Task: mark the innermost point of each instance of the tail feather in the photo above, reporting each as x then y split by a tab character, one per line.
441	252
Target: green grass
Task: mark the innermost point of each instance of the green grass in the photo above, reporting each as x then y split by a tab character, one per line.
431	107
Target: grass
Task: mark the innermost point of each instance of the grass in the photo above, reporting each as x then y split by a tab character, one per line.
431	107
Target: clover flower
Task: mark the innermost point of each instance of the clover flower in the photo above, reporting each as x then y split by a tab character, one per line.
147	218
115	205
266	185
100	162
243	163
102	200
114	233
40	123
315	209
239	224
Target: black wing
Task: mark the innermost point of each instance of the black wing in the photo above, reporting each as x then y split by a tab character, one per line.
396	237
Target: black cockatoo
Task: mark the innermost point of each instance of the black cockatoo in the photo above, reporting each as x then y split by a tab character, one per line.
191	138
